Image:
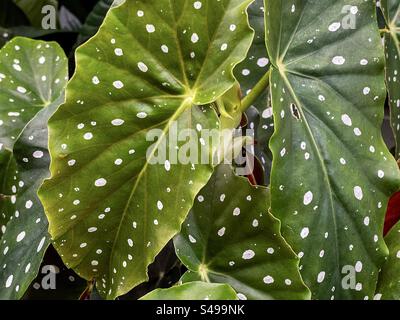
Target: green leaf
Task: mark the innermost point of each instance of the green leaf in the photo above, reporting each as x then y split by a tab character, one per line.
332	174
33	9
262	122
26	31
28	84
391	12
249	72
193	291
25	236
7	192
94	20
230	237
149	66
256	64
11	15
389	277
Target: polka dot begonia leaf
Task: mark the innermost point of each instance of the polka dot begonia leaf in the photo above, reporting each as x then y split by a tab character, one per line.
389	278
150	66
252	69
391	12
230	237
194	291
41	69
332	174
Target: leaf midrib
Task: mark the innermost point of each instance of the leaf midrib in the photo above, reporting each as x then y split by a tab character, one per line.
320	160
184	105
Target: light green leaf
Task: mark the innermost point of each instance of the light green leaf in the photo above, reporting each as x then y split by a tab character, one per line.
149	66
193	291
230	237
33	9
389	278
391	12
25	236
332	173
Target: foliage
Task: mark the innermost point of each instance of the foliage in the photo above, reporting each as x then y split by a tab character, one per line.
86	184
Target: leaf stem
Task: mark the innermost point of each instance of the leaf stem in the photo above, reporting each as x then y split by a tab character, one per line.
85	295
255	92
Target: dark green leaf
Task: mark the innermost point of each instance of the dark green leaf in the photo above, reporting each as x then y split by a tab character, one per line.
249	72
94	20
256	64
7	191
33	9
11	15
332	174
391	11
43	75
230	237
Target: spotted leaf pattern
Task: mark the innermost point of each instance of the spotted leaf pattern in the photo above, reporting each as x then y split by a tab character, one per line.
194	291
24	225
332	174
249	72
111	204
230	237
391	12
252	69
7	192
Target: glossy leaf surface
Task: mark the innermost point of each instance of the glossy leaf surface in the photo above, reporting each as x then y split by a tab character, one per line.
229	237
149	67
332	174
25	237
194	291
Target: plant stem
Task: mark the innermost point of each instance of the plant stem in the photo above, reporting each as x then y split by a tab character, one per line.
382	31
255	92
88	291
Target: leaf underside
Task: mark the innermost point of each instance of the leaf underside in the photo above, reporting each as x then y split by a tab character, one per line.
328	93
151	65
